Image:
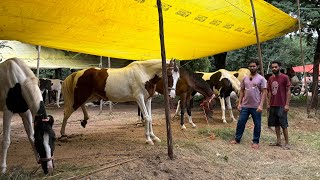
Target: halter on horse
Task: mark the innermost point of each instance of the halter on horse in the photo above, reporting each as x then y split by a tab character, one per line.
20	94
135	82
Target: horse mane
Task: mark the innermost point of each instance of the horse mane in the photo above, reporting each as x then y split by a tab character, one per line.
30	89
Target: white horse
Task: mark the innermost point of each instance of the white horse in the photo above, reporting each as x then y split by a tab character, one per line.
56	86
135	82
19	93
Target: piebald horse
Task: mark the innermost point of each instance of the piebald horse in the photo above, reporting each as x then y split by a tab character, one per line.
51	85
187	84
135	82
222	82
19	93
241	73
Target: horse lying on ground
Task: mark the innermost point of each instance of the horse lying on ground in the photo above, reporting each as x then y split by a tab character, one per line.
47	86
20	94
135	82
188	83
223	83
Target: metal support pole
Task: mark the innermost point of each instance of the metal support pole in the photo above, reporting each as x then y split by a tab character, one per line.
110	102
38	61
165	81
101	100
257	37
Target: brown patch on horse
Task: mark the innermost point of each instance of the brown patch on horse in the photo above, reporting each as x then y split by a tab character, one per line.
92	82
151	85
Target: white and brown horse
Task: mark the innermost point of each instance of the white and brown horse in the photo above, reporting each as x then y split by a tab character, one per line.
135	82
222	82
19	93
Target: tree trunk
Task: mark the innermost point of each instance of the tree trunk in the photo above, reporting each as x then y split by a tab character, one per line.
314	100
220	60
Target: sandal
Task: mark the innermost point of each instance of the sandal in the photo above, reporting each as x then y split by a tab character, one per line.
234	142
275	144
255	146
286	147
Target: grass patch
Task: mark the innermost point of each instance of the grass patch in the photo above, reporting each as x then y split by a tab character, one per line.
16	174
205	131
224	133
299	100
308	139
189	145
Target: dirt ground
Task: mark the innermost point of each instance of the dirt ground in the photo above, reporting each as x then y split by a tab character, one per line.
112	146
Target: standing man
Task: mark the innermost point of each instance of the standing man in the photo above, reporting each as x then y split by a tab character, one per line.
252	95
278	103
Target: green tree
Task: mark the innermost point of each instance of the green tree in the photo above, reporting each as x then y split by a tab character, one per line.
310	18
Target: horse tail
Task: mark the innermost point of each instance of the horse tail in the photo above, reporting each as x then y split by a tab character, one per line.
68	93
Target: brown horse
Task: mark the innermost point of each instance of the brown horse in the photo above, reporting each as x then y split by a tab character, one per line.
187	84
135	82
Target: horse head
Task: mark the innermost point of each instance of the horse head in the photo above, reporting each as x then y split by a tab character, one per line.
44	141
45	84
173	77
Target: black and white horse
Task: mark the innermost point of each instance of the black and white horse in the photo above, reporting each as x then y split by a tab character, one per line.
49	86
19	93
222	82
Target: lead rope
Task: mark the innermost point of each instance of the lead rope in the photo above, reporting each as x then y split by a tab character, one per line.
206	102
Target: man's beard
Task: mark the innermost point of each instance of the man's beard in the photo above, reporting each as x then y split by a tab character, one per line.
275	71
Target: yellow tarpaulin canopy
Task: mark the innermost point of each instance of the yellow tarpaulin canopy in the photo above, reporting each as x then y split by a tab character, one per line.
129	29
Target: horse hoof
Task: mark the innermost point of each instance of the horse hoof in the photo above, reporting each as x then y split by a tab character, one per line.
63	138
150	142
83	123
156	139
3	170
194	126
183	127
224	122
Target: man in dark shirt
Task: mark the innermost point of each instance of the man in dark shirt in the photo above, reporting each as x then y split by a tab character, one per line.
278	103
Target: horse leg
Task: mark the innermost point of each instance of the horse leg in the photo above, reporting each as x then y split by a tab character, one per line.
148	106
68	110
230	108
58	97
27	123
143	108
7	115
178	109
223	109
141	118
85	116
188	103
183	107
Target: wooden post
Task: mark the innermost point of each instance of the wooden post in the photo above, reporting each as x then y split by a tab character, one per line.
38	61
165	81
257	37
